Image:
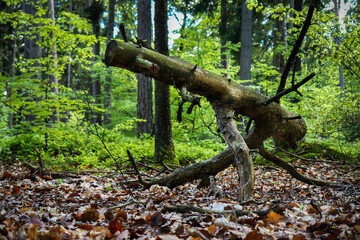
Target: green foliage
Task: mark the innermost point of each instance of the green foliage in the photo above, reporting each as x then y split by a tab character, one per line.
330	117
28	92
76	145
332	114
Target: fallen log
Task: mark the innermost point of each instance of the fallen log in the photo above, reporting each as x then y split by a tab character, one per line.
271	120
228	100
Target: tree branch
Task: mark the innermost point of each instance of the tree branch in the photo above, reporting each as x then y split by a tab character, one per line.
295	50
132	160
292	171
293	88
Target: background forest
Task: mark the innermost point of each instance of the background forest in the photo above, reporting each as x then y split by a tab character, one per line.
60	103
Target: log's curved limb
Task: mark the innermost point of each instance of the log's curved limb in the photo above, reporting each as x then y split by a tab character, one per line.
201	170
291	169
255	140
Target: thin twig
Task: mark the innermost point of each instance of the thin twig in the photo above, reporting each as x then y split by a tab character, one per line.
132	160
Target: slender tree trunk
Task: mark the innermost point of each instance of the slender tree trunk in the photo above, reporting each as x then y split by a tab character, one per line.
297	5
280	33
31	51
14	50
144	97
164	147
246	43
338	42
96	8
107	85
68	72
54	82
223	30
111	20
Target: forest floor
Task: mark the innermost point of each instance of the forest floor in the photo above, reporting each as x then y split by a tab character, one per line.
100	206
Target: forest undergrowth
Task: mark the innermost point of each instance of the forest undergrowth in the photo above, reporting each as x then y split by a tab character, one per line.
102	205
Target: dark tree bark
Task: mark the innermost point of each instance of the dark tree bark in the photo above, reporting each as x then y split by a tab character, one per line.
95	12
297	5
280	33
32	50
164	147
293	54
246	43
12	74
107	85
223	30
54	82
111	20
144	97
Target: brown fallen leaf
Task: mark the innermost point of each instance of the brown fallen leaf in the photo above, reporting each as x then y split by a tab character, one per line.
115	226
211	229
7	175
53	234
86	227
90	215
15	190
273	217
299	237
357	228
254	235
32	231
121	216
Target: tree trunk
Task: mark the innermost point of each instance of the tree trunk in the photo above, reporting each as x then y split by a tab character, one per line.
223	30
246	43
338	42
54	82
68	70
144	97
164	147
10	91
280	33
96	10
297	5
107	85
238	147
32	50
